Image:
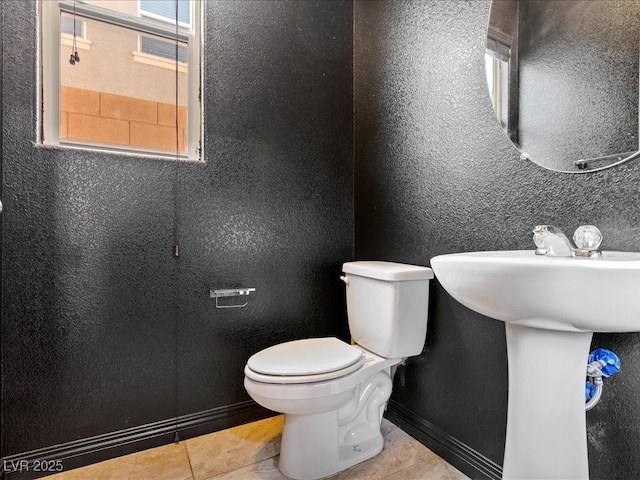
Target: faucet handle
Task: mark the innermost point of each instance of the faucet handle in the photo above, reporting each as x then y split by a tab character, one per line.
587	237
538	238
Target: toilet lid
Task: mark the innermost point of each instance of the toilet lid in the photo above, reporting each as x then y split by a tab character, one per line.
312	356
305	379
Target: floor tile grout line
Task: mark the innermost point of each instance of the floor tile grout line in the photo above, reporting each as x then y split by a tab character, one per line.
404	467
219	475
237	467
426	463
221	433
186	449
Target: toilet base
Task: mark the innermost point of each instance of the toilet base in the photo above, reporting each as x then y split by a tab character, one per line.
319	445
310	450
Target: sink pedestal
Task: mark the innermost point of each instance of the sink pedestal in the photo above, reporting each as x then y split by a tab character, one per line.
546	421
550	306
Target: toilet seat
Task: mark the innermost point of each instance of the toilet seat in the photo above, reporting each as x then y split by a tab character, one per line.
304	361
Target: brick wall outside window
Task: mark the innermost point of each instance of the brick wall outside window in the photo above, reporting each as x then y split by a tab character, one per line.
105	118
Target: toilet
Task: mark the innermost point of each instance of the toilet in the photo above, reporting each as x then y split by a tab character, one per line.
333	394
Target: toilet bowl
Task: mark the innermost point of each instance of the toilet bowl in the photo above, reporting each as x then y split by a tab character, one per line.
327	427
333	394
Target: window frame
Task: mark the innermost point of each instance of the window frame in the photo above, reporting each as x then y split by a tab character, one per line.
83	29
503	47
499	91
82	41
156	60
50	101
155	16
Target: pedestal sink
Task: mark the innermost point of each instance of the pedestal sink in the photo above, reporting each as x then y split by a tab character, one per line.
551	306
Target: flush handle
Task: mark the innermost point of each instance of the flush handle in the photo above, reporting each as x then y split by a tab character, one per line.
345	279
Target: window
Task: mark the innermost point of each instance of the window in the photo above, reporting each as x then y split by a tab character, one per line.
136	89
67	26
166	11
497	62
79	41
162	48
497	71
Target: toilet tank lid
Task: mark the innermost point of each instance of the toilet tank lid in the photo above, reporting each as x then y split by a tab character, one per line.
389	271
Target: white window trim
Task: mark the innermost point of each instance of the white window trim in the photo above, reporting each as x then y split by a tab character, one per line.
81	43
79	36
50	42
155	16
157	61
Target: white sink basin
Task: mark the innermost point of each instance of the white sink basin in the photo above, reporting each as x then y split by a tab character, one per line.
557	293
551	306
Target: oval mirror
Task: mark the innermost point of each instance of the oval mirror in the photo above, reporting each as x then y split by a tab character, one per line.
563	80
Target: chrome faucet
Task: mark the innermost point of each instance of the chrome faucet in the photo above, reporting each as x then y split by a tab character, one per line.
552	242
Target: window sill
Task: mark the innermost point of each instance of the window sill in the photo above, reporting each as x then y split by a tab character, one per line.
81	43
158	62
117	151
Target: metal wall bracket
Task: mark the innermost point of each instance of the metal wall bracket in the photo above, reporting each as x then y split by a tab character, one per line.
611	159
231	292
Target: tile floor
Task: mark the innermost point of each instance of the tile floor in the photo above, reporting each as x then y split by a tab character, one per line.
250	452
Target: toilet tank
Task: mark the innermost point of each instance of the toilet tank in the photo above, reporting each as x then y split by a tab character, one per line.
387	306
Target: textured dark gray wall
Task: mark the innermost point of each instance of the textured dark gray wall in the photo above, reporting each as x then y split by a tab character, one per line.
1	183
578	64
436	174
102	329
